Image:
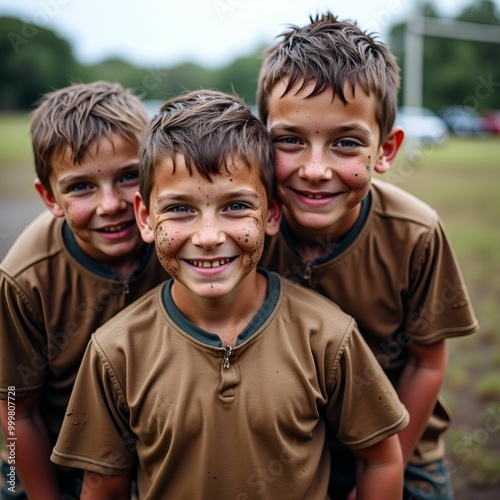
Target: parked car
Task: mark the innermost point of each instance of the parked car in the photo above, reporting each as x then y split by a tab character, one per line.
491	119
463	120
422	125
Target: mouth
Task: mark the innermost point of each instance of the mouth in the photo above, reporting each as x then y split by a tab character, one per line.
313	195
209	263
310	195
316	196
115	229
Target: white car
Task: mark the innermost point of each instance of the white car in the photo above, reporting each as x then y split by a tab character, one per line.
422	125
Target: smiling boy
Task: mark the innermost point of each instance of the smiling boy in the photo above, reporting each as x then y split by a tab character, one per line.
328	94
71	269
224	381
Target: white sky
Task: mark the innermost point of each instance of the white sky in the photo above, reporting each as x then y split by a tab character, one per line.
208	32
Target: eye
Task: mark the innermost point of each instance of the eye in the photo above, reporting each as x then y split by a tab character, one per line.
132	176
179	209
236	206
81	186
347	144
287	140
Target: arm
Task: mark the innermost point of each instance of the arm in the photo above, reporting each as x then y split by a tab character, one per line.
418	389
379	473
97	486
36	472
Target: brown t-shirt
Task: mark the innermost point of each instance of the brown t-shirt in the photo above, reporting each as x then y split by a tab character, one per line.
254	428
50	304
397	275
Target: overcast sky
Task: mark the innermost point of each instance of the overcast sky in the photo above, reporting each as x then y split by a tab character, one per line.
208	32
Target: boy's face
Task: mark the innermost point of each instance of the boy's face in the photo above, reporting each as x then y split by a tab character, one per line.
325	155
209	235
97	198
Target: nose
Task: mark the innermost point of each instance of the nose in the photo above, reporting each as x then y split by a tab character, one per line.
316	167
208	234
110	202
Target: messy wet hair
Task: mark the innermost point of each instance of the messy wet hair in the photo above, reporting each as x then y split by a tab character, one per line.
75	117
210	130
333	54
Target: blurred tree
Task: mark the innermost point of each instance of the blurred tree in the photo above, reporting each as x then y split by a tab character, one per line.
34	61
184	77
241	77
456	71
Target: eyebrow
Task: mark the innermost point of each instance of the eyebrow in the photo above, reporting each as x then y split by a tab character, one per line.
350	127
166	198
84	177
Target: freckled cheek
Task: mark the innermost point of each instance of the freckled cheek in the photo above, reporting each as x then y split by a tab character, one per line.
360	184
252	242
78	216
283	169
359	176
167	246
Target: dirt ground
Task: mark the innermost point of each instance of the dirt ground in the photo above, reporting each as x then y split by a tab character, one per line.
474	437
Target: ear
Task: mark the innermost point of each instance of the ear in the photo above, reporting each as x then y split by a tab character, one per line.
142	218
389	149
274	214
49	199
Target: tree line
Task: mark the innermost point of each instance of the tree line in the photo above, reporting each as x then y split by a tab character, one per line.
36	60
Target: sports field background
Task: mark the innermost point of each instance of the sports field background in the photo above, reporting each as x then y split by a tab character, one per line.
461	180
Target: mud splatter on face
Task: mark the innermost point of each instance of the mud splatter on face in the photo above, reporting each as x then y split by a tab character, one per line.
368	166
164	249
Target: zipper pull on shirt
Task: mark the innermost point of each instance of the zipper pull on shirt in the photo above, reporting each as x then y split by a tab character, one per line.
227	355
230	377
308	269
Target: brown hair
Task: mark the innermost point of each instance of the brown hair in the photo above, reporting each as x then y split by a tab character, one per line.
77	116
209	129
333	54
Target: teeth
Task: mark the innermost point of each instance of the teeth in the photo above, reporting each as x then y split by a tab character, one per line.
316	196
114	229
204	263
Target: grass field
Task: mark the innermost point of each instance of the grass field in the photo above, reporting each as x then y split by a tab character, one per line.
461	181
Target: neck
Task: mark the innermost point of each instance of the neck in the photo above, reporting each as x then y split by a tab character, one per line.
224	316
314	243
128	265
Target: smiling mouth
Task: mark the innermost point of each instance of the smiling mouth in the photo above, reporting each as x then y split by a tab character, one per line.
206	263
115	229
314	196
317	196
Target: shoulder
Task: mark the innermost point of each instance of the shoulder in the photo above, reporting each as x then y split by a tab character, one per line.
133	339
300	303
393	203
140	318
39	241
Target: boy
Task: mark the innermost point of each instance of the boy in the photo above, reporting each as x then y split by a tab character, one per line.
72	269
327	92
224	380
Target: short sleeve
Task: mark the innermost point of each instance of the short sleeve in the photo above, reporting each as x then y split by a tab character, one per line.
22	343
438	301
95	435
364	407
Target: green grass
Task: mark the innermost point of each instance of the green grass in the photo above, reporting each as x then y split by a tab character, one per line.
15	145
